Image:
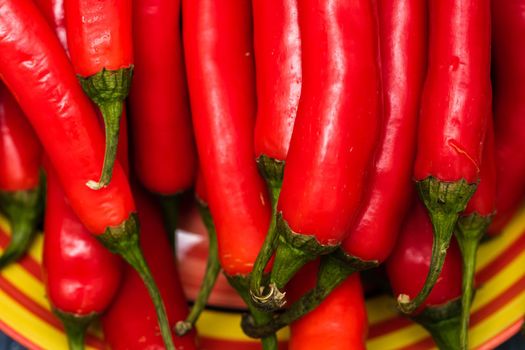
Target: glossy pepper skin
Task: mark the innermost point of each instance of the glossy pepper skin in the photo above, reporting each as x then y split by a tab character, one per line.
277	46
164	151
135	327
53	10
407	269
100	45
472	226
508	30
402	33
81	276
35	68
221	79
20	188
334	135
338	323
453	120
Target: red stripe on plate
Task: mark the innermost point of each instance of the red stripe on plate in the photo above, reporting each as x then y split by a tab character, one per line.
502	260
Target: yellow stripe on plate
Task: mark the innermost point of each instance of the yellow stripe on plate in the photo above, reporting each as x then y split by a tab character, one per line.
30	327
395	340
498	321
490	250
222	325
380	309
500	282
26	283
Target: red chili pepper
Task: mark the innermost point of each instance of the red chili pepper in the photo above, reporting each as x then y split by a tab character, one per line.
35	68
334	135
338	323
277	46
402	28
100	44
130	321
219	58
20	189
509	108
407	269
472	226
53	10
81	276
164	153
453	120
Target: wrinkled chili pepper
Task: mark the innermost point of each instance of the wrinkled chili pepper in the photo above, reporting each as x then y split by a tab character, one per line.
407	268
81	276
220	68
508	29
372	236
100	45
277	46
130	321
164	153
453	120
334	135
472	226
20	185
36	70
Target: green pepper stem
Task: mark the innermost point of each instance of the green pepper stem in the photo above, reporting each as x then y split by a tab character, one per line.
108	89
75	327
23	209
111	113
332	272
469	232
444	201
169	206
213	268
241	285
443	323
124	240
266	252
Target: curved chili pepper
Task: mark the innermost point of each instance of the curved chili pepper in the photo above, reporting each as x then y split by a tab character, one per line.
100	44
20	187
372	237
508	31
277	46
130	321
219	59
213	267
453	120
472	226
407	268
81	276
36	70
164	153
334	135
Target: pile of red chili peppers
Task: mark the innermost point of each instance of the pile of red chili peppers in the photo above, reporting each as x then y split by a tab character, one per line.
321	138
